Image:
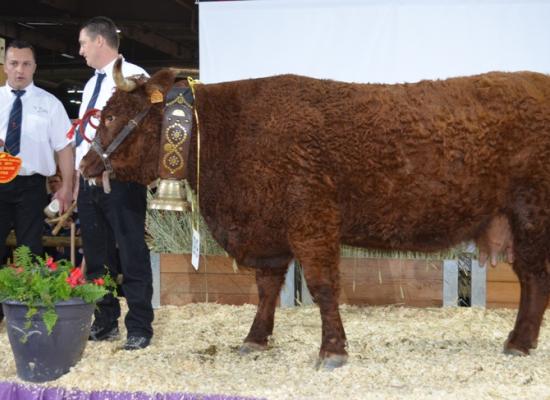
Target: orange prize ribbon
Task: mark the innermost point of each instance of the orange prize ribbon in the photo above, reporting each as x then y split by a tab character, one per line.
9	167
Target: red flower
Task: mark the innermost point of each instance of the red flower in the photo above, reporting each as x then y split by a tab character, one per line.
51	264
99	281
18	269
76	277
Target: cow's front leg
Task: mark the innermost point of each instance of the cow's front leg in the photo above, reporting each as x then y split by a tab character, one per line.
269	282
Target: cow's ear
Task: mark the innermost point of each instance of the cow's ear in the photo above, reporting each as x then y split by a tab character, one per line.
160	83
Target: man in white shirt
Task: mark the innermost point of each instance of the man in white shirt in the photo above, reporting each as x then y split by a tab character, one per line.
33	126
114	222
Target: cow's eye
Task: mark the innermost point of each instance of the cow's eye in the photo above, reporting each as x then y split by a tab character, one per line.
109	120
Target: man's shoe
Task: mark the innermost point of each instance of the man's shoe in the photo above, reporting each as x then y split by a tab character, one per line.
101	333
136	342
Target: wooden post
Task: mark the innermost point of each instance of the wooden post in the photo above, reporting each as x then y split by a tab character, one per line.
2	61
479	284
305	295
155	269
450	283
73	243
288	291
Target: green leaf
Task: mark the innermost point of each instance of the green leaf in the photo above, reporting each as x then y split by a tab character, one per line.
32	282
50	318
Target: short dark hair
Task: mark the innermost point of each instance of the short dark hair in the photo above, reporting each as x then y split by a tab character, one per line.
105	27
21	44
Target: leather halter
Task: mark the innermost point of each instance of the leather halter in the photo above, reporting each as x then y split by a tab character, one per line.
128	128
175	137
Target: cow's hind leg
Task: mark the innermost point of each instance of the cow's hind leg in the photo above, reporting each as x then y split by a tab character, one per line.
533	302
269	282
314	239
321	273
531	237
313	230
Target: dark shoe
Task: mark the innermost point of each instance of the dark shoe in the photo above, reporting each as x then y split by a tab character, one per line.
136	342
101	332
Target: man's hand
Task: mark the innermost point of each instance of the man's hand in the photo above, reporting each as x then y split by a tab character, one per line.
65	198
65	159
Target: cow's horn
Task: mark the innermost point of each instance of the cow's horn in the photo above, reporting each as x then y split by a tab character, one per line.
121	82
184	71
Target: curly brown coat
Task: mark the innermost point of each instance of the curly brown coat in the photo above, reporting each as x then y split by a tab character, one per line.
291	167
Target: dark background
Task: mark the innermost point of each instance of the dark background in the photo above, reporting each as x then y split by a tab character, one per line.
154	34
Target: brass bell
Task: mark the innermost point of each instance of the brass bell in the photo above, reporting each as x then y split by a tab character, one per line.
170	196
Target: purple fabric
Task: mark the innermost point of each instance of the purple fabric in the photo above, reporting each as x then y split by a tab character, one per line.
16	391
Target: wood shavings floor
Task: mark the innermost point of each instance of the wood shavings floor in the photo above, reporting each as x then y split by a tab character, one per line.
395	353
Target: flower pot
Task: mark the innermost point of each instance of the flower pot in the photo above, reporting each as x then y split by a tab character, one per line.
40	357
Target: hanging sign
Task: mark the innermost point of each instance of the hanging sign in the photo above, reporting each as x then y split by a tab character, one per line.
195	249
9	167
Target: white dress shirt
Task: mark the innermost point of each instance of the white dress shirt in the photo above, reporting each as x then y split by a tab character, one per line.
108	86
44	127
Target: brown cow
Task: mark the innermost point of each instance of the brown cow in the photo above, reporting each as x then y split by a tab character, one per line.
292	166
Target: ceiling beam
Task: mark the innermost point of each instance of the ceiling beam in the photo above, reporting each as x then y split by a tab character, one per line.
156	42
143	36
193	8
13	31
185	4
68	5
187	34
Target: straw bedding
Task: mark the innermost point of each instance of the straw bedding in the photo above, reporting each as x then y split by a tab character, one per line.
395	353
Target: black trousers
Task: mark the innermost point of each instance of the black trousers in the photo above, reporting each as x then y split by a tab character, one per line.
108	221
22	203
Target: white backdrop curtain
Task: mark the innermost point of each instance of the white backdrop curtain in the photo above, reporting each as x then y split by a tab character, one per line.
372	40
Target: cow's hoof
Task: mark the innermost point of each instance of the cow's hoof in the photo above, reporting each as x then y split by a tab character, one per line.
514	350
250	347
515	347
331	362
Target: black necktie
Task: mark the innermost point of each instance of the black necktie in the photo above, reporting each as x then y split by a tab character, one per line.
13	133
91	105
